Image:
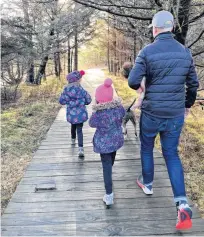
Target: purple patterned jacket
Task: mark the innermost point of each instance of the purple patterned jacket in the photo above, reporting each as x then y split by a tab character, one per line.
76	99
107	120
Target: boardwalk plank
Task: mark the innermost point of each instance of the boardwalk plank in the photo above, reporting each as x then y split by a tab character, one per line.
87	144
88	165
78	171
129	150
67	142
125	215
78	186
89	155
88	178
54	196
132	228
75	159
93	205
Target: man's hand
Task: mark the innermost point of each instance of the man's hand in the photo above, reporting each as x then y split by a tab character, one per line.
140	90
187	111
137	105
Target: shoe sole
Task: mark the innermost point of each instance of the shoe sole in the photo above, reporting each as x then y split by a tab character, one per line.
145	190
186	224
108	205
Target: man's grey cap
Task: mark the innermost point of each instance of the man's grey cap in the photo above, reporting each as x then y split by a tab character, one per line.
162	19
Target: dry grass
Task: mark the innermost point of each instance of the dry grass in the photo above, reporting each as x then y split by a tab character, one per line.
192	155
23	126
191	145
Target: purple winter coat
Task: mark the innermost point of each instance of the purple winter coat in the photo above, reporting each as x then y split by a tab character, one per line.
107	120
76	99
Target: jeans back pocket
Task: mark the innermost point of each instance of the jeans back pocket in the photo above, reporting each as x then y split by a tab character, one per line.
149	124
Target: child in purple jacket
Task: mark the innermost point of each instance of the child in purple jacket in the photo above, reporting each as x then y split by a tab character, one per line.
108	138
76	99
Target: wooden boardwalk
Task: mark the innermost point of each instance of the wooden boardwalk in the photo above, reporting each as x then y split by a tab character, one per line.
75	208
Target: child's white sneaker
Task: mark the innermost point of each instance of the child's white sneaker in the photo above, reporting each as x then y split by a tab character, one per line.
108	199
73	141
81	152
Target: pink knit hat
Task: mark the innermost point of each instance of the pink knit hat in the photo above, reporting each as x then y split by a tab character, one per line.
104	93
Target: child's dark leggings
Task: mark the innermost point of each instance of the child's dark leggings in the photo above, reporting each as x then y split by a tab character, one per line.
78	128
107	163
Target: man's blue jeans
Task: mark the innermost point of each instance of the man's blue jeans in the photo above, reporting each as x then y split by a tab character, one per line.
169	130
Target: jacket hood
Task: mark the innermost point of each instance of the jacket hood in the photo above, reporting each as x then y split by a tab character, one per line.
75	90
109	105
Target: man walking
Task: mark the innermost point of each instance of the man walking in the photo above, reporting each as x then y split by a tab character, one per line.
171	89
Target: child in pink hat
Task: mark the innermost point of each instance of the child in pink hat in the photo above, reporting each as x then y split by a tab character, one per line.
108	138
104	93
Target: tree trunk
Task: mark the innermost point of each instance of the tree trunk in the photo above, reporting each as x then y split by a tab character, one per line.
31	74
111	65
30	63
69	57
134	47
115	53
108	48
44	76
56	63
71	61
43	64
41	70
181	28
121	58
76	50
59	65
64	69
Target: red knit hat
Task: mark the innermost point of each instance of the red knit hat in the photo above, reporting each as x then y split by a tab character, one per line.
104	93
